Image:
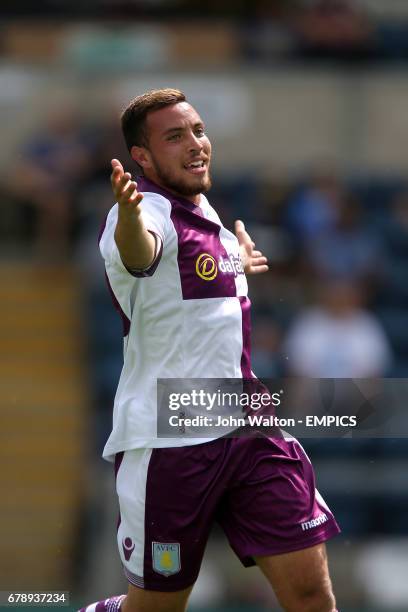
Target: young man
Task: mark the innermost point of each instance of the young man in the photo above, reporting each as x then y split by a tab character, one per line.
187	316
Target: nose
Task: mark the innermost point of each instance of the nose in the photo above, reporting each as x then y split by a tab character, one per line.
195	143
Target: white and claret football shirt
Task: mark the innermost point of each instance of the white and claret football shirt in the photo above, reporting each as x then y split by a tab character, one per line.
188	316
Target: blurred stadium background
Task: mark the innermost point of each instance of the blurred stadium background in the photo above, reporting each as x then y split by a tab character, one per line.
306	104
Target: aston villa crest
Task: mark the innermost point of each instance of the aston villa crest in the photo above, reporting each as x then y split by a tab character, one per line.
166	558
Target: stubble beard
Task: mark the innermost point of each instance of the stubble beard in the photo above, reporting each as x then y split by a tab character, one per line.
179	186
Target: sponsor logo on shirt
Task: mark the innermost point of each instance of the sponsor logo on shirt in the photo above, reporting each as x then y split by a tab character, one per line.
319	520
207	267
232	265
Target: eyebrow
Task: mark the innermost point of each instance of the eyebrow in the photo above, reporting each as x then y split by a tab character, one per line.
181	129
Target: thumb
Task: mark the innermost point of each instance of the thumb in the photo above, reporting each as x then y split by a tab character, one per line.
239	229
242	234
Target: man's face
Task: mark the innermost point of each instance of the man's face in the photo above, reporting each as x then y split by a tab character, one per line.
178	153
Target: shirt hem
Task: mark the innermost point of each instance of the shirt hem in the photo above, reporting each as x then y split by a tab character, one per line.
109	452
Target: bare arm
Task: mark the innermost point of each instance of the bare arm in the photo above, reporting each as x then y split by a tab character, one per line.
135	243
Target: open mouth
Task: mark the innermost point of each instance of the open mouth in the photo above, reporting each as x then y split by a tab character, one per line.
196	167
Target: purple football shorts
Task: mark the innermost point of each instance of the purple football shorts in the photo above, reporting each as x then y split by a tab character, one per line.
260	490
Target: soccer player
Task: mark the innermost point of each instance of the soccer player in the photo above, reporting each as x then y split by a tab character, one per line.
187	315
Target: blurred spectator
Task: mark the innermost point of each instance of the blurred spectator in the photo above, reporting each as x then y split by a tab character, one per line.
266	339
314	207
348	250
392	302
95	198
104	324
266	34
395	236
337	338
388	559
334	28
47	178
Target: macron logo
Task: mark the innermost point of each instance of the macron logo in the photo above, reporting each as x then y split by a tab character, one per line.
128	547
319	520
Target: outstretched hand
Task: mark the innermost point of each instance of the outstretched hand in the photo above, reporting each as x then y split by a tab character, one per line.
137	246
252	260
124	189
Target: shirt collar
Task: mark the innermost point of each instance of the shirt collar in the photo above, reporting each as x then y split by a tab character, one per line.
145	184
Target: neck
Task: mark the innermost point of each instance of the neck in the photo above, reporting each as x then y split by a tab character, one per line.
195	199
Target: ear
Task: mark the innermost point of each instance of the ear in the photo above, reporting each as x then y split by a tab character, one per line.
141	156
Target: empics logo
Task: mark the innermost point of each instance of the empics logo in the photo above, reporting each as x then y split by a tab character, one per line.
206	267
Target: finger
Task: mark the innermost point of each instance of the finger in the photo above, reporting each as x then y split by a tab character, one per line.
258	269
131	195
124	179
117	168
259	260
242	234
136	198
256	254
123	183
240	229
239	226
117	173
128	192
119	180
115	163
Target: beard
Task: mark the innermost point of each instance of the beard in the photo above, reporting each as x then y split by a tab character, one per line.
198	184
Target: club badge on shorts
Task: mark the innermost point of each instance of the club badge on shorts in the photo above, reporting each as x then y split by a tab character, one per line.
166	558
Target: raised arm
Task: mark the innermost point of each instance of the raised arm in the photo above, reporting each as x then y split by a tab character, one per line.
135	243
